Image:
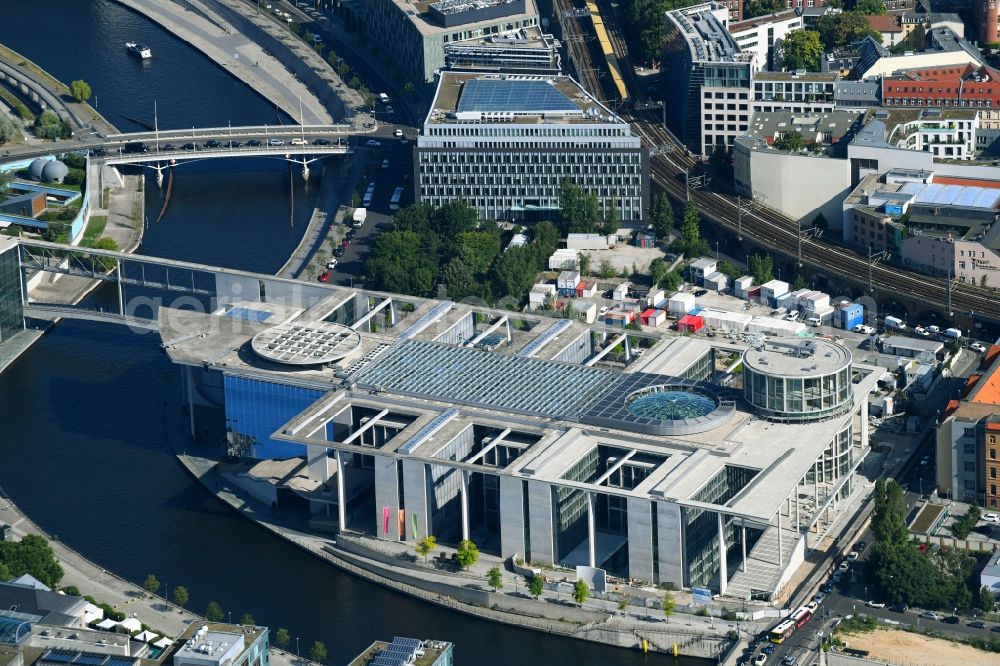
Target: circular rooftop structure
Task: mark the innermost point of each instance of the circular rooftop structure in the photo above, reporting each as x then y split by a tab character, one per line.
54	171
658	405
796	379
35	168
311	343
670	403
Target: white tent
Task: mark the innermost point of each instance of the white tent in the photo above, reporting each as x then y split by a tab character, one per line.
163	643
107	625
146	636
130	624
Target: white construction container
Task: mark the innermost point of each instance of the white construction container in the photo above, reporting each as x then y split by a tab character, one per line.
725	321
654	296
588	242
563	260
769	291
539	293
680	304
742	285
813	301
586	310
825	313
716	281
568	280
773	326
621	292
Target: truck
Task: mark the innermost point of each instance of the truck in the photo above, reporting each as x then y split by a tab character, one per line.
382	97
359	217
895	324
952	333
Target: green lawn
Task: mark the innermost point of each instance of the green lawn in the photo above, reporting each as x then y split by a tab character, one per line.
95	227
13	102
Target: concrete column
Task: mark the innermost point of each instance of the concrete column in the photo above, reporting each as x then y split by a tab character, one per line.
189	389
640	539
415	499
591	531
670	529
386	497
121	288
541	522
392	312
743	527
512	524
465	503
628	349
510	335
316	463
797	523
864	425
723	565
780	553
341	499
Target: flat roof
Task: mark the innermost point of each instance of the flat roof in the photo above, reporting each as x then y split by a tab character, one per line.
800	75
914	344
794	357
418	14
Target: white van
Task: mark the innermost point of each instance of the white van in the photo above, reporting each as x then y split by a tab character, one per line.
814	321
952	333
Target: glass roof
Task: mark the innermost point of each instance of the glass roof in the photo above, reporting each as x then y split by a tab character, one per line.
475	377
507	96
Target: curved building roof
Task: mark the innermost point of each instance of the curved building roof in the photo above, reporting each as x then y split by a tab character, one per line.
307	343
36	166
795	357
54	171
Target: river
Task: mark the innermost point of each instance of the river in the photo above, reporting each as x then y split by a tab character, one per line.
84	414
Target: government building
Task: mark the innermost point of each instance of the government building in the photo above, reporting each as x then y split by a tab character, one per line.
505	143
667	459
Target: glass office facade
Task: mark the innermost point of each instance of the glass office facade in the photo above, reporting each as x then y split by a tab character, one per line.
256	409
11	308
799	398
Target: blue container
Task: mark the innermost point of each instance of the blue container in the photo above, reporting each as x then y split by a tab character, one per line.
850	316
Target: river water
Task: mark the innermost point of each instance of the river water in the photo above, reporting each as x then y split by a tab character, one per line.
84	415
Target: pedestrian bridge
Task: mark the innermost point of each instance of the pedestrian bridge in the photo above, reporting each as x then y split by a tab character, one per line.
160	149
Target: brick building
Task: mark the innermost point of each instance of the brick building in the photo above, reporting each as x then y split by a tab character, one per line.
968	438
966	86
988	21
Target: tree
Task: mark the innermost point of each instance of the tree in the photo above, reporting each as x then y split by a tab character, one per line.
671	281
668	605
467	553
802	49
247	620
514	272
790	141
151	585
762	7
658	268
729	270
458	277
425	546
584	259
846	28
986	600
612	217
606	270
214	612
799	282
4	572
661	216
623	603
31	555
8	130
870	7
317	652
888	518
80	90
580	591
691	241
495	578
282	638
181	596
762	268
478	249
398	263
535	586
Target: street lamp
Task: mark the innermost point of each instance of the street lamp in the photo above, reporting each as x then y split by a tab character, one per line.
296	646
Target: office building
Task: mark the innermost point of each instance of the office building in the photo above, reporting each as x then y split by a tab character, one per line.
968	86
935	223
547	440
11	308
413	36
708	77
524	51
794	92
406	651
763	36
968	438
506	143
222	645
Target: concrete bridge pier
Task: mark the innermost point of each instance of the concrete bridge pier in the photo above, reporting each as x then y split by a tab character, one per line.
305	168
159	174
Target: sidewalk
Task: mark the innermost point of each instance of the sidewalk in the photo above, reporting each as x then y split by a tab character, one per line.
239	55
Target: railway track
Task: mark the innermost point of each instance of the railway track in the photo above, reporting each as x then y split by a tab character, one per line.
763	226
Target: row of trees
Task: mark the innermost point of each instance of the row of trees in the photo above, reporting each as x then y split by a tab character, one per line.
31	555
428	247
904	574
803	49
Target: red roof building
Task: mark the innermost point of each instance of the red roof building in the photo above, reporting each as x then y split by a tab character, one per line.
967	86
690	324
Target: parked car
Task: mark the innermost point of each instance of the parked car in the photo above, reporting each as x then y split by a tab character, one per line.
978	624
925	460
977	347
212	143
299	142
385	164
167	147
769	648
933	329
276	142
324	276
373	143
793	315
321	142
864	328
995	629
789	660
930	615
876	604
331	264
398	133
253	142
760	660
338	251
920	330
951	619
819	597
350	234
190	146
899	608
860	546
845	565
346	243
701	292
991	517
853	556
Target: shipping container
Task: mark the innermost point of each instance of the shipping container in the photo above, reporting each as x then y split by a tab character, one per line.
690	324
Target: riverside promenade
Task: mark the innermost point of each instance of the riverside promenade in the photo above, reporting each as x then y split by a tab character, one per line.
238	54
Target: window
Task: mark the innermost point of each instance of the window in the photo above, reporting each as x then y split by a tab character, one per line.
970	466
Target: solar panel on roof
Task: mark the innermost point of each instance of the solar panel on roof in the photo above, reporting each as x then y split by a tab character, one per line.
404	642
507	96
60	656
248	314
119	661
89	659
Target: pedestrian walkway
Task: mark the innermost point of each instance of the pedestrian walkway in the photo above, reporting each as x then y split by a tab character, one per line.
239	55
